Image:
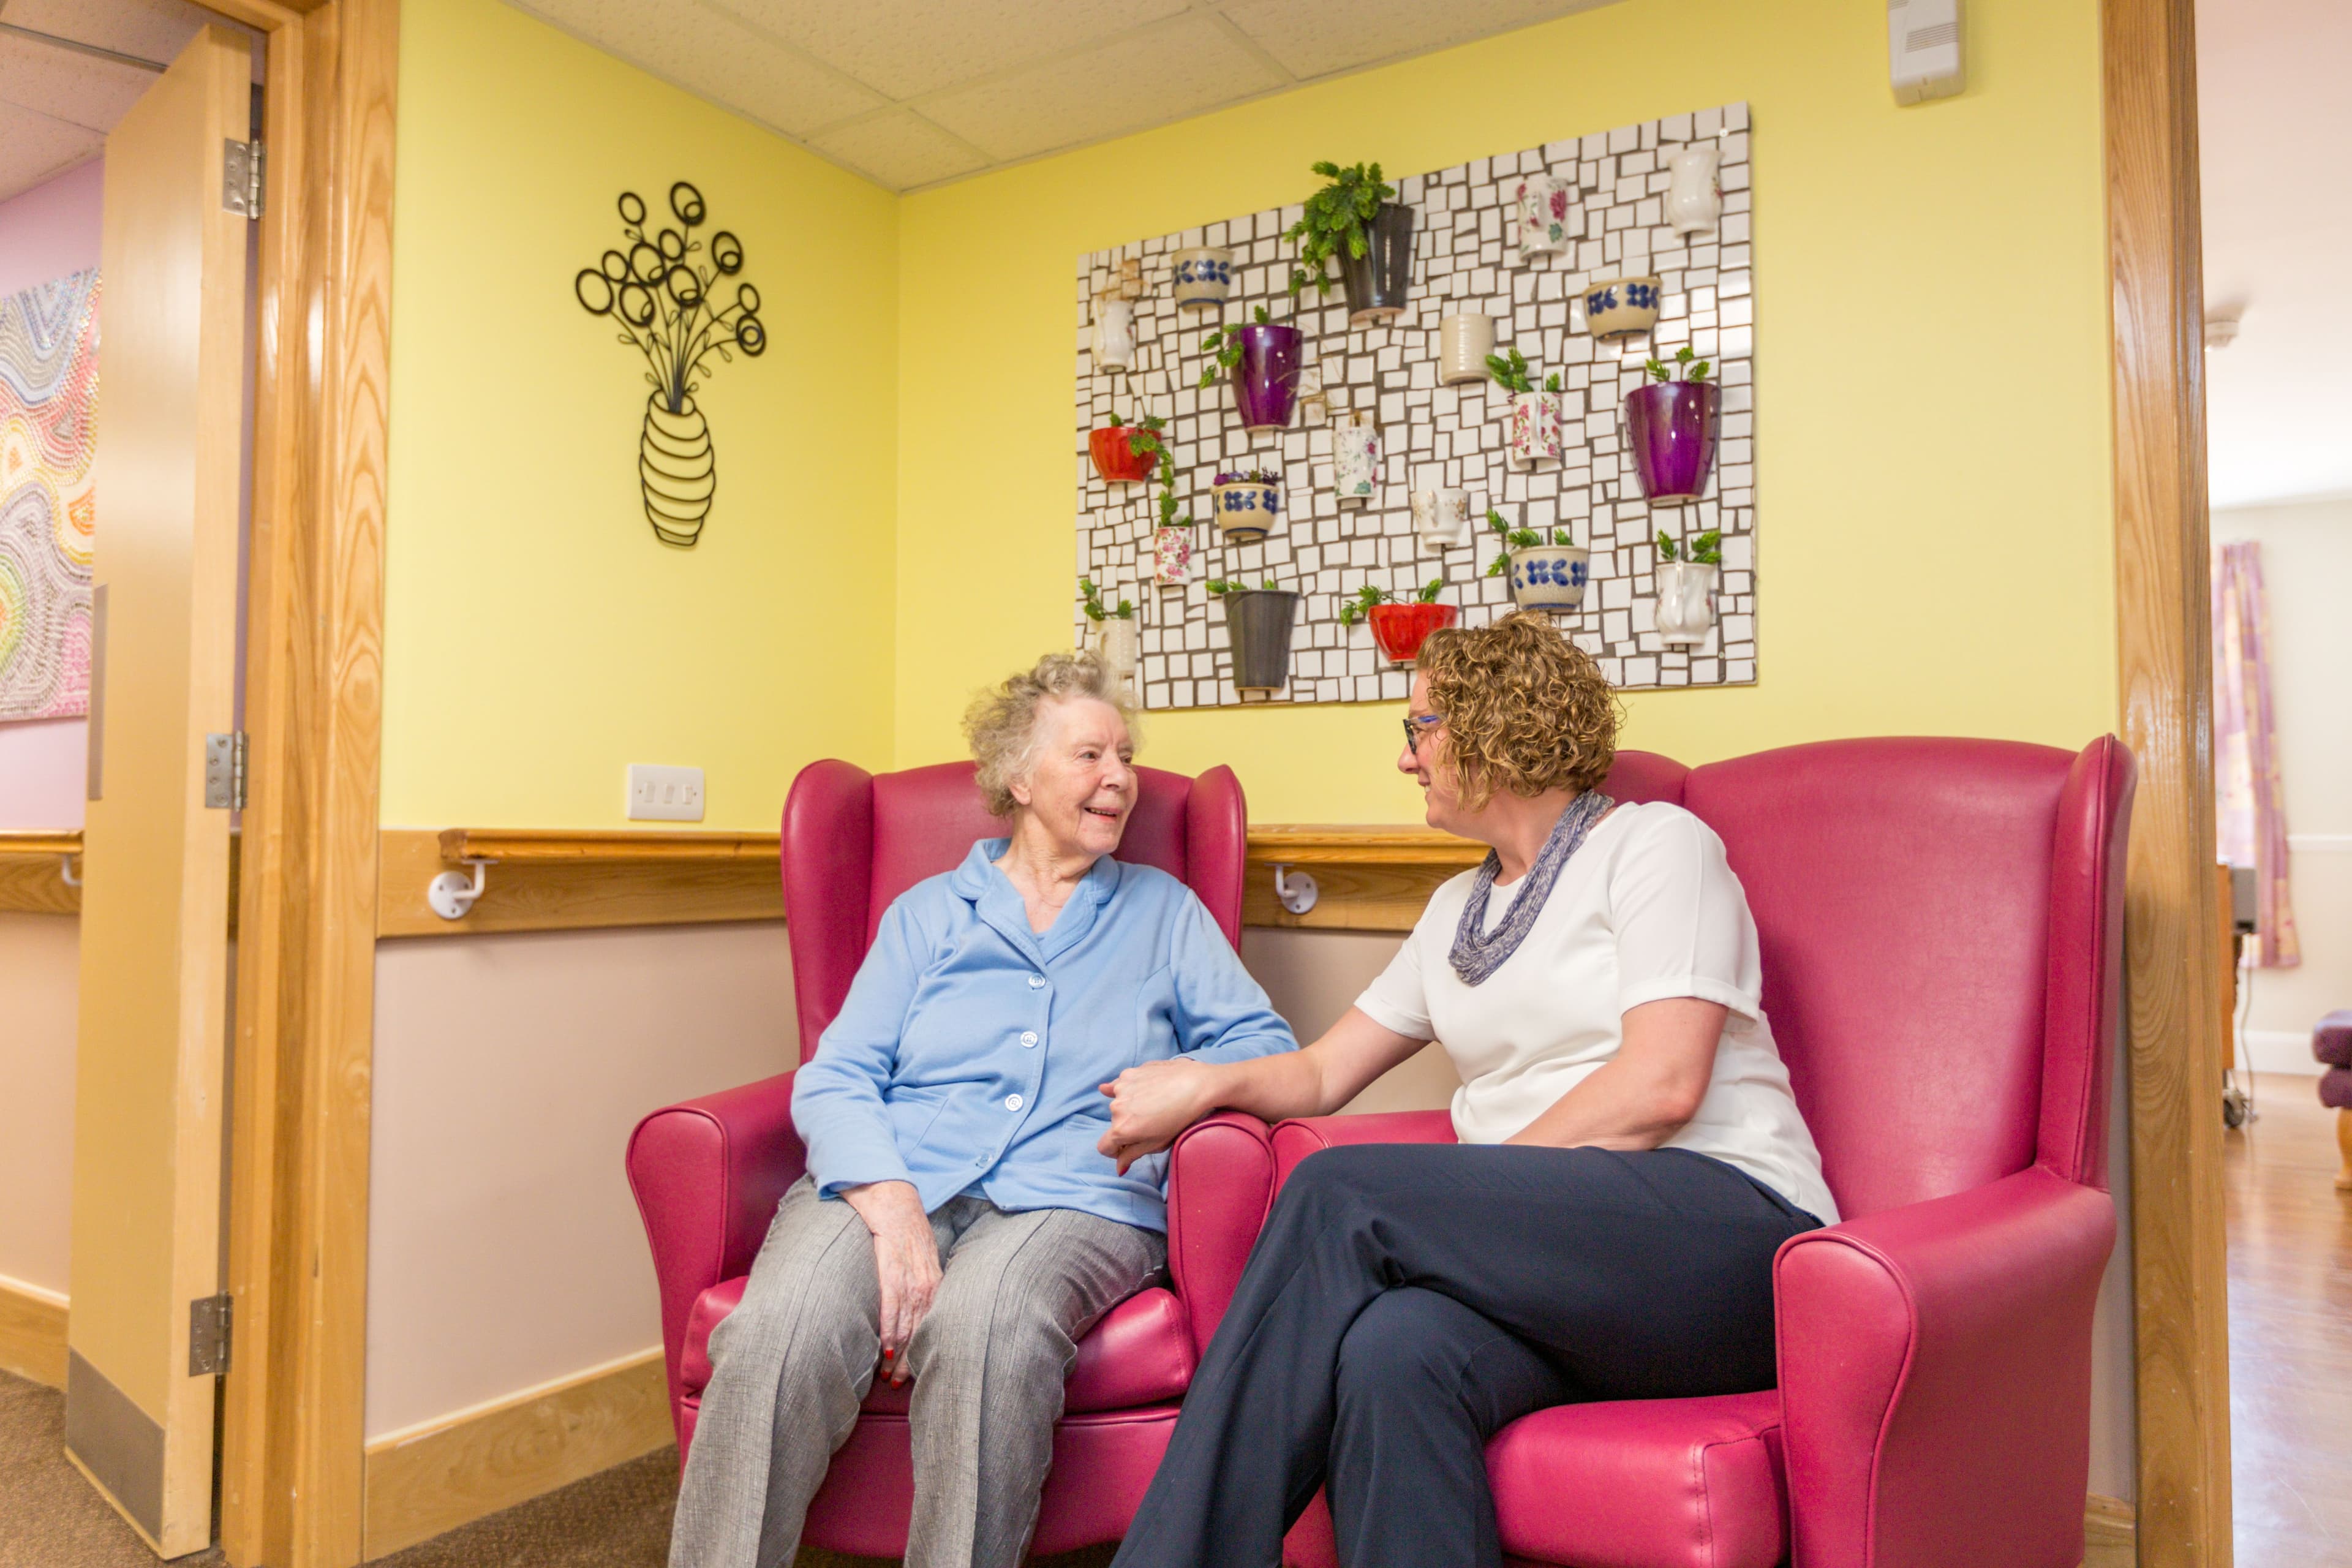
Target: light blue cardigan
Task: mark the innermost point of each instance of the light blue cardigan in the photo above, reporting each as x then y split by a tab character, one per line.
968	1053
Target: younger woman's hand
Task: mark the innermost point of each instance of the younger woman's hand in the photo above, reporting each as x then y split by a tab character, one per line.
1150	1104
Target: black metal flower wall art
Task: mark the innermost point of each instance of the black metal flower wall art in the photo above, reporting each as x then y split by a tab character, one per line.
662	291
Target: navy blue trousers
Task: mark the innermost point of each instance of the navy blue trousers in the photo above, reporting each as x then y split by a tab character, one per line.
1405	1301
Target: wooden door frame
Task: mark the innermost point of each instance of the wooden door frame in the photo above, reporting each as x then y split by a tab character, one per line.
2164	665
293	1426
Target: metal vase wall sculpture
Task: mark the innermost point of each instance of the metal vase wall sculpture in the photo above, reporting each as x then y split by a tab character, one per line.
660	292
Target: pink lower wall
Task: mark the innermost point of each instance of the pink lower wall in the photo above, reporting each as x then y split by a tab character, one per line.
45	233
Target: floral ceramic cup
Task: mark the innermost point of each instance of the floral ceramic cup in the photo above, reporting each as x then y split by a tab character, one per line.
1535	429
1551	576
1171	557
1440	518
1540	216
1355	460
1693	191
1204	275
1621	307
1247	509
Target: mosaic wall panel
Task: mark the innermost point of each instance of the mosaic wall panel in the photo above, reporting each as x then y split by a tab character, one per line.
1464	259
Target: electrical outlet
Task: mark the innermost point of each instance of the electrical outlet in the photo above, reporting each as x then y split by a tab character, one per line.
664	795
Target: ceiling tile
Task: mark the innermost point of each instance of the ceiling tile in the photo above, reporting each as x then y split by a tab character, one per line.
1314	38
708	52
1146	79
78	88
903	47
900	150
149	29
34	146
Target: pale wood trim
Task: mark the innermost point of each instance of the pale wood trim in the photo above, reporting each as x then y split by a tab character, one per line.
2109	1533
32	871
32	1333
1345	846
2164	665
451	1471
561	844
570	882
293	1438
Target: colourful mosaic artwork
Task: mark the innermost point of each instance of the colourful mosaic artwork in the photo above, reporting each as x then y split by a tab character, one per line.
49	384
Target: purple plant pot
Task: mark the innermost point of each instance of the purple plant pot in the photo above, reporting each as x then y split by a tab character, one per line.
1266	383
1671	429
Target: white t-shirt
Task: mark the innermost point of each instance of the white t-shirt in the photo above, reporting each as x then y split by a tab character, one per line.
1647	909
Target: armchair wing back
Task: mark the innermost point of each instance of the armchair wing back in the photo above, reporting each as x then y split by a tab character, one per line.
1935	941
852	841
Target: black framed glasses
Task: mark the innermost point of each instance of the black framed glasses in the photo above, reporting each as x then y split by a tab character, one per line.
1415	727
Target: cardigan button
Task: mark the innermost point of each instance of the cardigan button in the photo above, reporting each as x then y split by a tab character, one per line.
1012	1102
1029	1036
1037	983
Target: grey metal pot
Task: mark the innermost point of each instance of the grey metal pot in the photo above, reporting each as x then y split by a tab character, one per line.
1257	624
1377	281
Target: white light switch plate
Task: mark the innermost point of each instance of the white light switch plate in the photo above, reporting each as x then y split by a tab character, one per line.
664	795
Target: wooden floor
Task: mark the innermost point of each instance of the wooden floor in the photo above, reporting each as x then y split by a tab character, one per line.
2290	1236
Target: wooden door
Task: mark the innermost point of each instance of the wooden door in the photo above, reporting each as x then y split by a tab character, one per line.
150	1074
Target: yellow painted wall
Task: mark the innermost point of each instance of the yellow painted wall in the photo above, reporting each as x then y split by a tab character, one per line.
538	637
1934	440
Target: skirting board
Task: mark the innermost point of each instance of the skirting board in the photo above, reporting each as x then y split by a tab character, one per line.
2110	1536
32	1333
2279	1050
455	1470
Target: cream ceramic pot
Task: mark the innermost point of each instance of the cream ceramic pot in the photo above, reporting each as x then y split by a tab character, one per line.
1204	275
1113	342
1463	342
1694	193
1686	602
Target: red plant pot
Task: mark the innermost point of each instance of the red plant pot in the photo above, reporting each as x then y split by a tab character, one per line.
1400	629
1113	458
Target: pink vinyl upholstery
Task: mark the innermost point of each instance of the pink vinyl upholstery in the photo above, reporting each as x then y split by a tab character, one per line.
707	1173
1941	924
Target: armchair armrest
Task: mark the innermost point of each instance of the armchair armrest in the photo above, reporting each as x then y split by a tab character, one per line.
1935	1376
1219	1181
707	1173
1301	1136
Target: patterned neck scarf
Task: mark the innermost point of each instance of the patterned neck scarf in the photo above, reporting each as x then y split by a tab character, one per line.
1478	952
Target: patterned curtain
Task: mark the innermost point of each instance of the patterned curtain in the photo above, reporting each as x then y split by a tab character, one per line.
2246	793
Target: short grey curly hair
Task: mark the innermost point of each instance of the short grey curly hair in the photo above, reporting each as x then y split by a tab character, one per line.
1002	722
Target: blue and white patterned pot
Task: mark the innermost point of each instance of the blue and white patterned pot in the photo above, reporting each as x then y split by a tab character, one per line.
1204	275
1246	512
1621	307
1549	576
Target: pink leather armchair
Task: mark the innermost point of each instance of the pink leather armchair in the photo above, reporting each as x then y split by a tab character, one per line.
1942	928
707	1173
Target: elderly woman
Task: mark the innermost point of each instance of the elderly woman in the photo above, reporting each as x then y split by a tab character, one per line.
1629	1159
957	1224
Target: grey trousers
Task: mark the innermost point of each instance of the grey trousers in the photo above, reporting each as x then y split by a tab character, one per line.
791	1366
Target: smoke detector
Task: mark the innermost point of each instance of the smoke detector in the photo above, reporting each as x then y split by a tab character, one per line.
2222	325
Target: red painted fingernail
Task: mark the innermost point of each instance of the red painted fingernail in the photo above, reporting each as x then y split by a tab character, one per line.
886	1352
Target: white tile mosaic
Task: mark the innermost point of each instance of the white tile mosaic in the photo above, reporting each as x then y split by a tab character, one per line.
1434	436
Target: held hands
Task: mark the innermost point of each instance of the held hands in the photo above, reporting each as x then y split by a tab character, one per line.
906	1259
1150	1104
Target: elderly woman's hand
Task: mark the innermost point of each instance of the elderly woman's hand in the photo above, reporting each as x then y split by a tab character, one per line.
906	1258
1150	1104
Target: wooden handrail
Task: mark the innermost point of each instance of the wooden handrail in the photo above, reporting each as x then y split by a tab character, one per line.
564	844
42	842
1342	845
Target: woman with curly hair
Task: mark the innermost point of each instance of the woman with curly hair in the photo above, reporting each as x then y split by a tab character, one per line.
958	1224
1630	1156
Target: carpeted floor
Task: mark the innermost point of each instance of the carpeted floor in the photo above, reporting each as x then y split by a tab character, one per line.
49	1517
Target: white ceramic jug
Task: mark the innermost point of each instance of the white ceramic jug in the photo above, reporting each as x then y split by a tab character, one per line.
1113	335
1694	193
1686	602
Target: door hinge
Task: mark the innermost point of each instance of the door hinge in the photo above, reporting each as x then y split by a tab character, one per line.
208	1336
241	177
224	770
